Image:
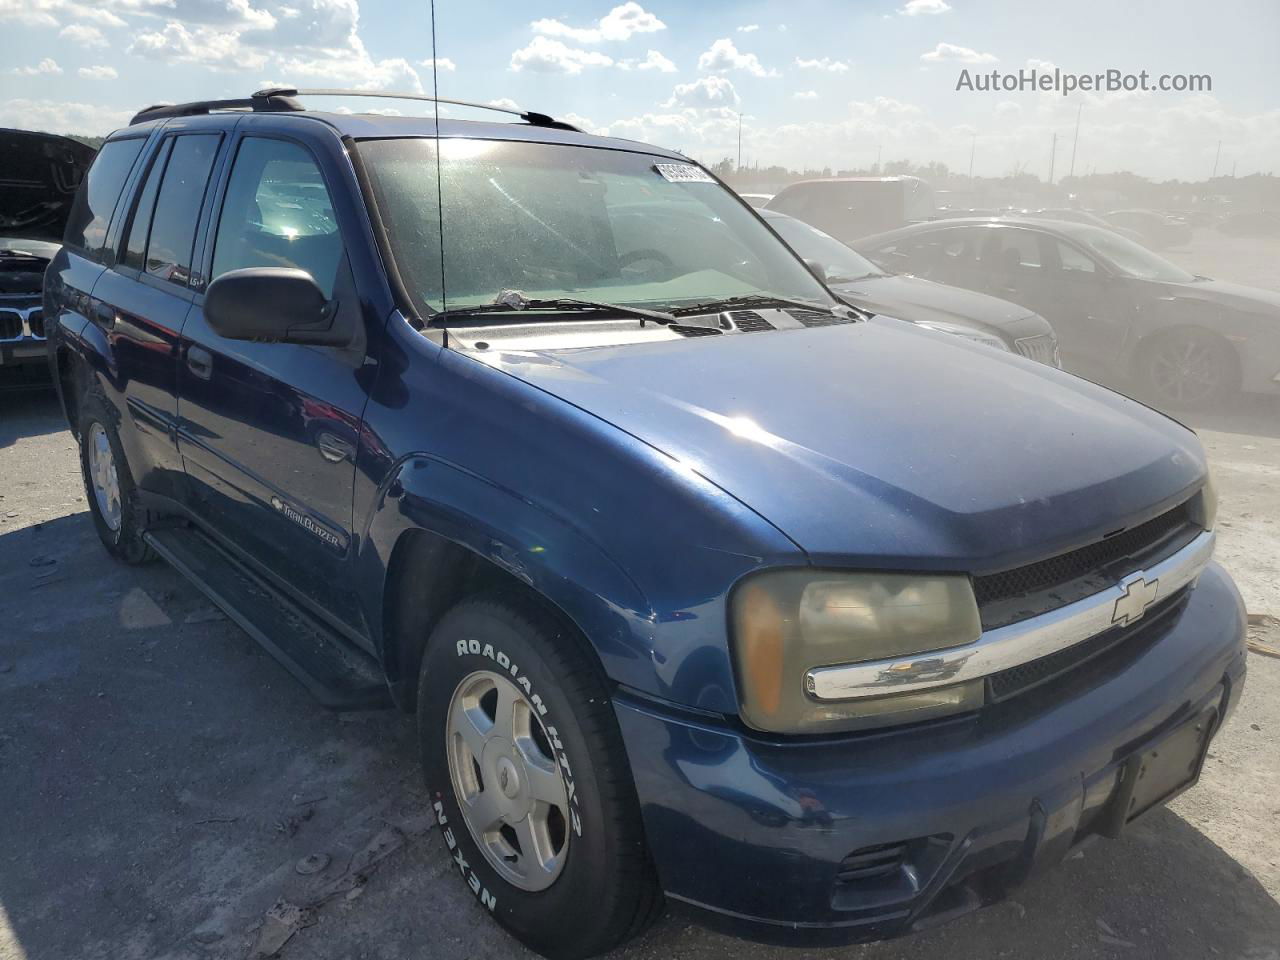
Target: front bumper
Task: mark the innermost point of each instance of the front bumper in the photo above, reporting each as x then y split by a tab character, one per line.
760	832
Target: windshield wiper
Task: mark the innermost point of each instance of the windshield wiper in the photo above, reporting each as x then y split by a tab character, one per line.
512	301
749	300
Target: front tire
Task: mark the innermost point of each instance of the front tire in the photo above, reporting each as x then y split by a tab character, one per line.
1189	370
109	487
530	781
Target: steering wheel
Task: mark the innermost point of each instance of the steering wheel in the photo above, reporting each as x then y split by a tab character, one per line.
664	265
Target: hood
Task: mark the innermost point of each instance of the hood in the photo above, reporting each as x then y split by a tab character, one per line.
916	300
1233	296
883	445
39	174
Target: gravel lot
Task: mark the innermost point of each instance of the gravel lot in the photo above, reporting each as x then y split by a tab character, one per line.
164	783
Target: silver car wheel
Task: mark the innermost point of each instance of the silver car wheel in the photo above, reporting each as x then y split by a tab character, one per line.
103	475
507	780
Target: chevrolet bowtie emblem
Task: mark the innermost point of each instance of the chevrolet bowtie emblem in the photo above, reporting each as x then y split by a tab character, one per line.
1138	593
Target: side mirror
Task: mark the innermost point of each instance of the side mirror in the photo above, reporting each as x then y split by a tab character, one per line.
272	304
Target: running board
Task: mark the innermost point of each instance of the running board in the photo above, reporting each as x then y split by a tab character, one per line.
337	674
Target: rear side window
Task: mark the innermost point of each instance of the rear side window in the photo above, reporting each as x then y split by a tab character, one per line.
173	224
278	213
135	250
91	213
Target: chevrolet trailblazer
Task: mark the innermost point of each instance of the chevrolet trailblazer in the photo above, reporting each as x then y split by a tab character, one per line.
550	441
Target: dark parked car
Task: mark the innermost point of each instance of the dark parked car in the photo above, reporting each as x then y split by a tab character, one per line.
1157	230
696	584
952	310
39	174
1123	315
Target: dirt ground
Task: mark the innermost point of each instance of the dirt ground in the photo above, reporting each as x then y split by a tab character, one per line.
163	783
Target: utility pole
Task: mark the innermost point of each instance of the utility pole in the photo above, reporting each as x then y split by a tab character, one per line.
739	141
1215	161
1053	155
1233	169
879	147
1075	142
973	146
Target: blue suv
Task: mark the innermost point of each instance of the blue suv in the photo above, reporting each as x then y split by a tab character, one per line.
702	590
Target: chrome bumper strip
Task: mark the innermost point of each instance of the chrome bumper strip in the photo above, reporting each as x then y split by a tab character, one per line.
1019	642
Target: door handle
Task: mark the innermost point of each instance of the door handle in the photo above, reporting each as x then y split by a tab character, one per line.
200	362
105	314
333	448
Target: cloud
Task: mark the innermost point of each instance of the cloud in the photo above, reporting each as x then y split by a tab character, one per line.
951	52
824	63
805	95
98	73
83	34
544	55
443	64
53	13
506	103
915	8
883	106
704	92
62	117
616	25
215	49
749	28
723	56
46	67
652	61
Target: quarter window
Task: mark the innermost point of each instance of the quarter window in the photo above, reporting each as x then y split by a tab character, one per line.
91	213
278	213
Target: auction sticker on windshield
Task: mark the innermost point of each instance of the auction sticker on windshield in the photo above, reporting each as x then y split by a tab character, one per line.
683	173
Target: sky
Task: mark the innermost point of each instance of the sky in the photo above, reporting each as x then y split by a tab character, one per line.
816	83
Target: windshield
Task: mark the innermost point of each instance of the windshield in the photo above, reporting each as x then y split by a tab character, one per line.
552	220
839	261
1132	259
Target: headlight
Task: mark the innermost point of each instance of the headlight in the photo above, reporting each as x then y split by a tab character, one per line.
969	333
1204	508
787	622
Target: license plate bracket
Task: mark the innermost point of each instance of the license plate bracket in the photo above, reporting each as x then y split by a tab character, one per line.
1155	775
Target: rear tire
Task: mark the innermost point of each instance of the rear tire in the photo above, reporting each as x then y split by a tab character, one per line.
108	485
590	884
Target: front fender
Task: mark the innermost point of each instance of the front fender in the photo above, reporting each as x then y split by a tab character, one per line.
550	554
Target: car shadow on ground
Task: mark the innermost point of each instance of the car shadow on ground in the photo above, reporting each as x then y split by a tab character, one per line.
29	413
165	783
1251	415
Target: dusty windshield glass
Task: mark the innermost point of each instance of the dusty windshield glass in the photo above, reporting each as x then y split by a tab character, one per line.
556	221
840	262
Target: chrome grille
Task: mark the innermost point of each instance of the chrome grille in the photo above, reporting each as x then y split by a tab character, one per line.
35	324
1042	349
10	325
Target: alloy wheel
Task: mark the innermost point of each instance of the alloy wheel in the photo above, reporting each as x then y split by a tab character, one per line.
507	780
103	475
1187	370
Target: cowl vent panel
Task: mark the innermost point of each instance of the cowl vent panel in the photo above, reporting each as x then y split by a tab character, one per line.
748	321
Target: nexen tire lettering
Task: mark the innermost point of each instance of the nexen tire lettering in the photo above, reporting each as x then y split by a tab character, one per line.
469	875
504	662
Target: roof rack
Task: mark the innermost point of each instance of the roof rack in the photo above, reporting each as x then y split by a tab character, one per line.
284	100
